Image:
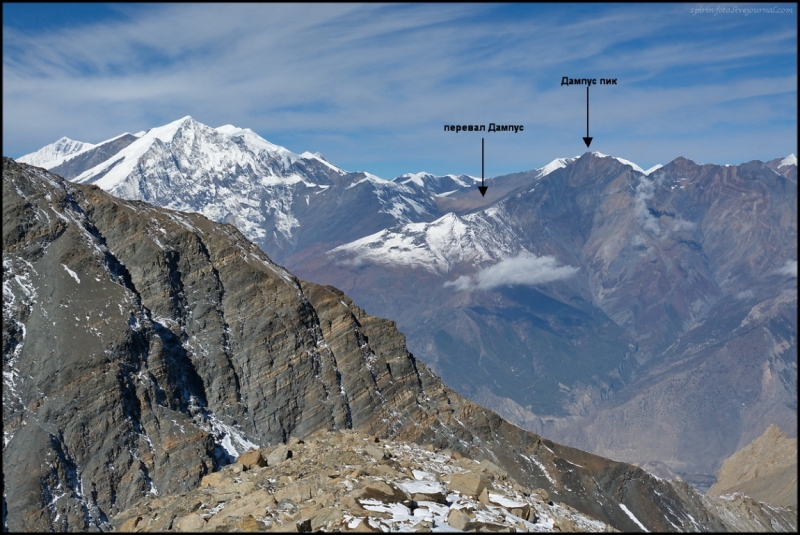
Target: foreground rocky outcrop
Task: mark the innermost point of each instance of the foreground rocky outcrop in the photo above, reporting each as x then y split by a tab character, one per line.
350	481
144	349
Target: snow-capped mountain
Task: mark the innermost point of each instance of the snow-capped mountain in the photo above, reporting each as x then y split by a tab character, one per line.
54	154
476	238
439	245
785	166
281	200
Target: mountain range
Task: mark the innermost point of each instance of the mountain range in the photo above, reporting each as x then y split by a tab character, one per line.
647	316
145	350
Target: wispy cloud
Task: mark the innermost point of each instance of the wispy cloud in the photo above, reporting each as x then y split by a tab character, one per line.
789	268
525	269
372	85
645	190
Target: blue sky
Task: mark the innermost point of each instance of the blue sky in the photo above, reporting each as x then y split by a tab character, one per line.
371	86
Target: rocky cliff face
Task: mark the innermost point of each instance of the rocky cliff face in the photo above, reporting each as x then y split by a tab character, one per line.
144	349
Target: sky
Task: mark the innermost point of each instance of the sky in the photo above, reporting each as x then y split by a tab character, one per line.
371	86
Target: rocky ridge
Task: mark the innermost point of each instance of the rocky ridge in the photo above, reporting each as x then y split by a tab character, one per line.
350	481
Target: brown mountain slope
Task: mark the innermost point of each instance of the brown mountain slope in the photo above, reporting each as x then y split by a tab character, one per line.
765	469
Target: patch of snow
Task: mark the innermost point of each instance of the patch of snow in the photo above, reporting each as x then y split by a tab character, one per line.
632	517
499	499
438	245
789	160
536	461
421	487
231	439
421	475
627	162
653	169
558	163
72	273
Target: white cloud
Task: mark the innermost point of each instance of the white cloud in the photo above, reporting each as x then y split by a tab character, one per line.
645	190
681	224
525	269
464	282
789	268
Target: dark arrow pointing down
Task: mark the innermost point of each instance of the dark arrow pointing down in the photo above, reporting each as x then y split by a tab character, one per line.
587	139
482	188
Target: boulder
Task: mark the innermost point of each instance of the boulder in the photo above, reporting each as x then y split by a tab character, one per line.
278	454
251	459
375	451
212	480
494	469
325	518
469	483
458	519
304	526
365	527
379	490
297	493
542	494
189	523
248	524
130	524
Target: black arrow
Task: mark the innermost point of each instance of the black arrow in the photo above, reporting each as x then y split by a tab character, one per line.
482	188
587	139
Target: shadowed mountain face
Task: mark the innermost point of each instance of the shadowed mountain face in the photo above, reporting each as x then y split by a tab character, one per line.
144	348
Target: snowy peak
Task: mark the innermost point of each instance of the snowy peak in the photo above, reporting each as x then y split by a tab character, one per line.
621	160
558	163
436	246
789	160
786	167
56	153
190	148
